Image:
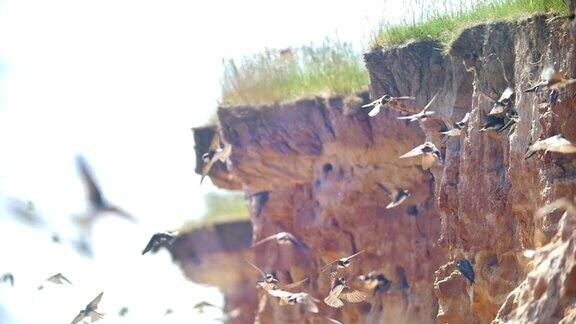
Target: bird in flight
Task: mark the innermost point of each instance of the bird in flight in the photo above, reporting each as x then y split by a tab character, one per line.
455	129
340	291
90	311
382	101
398	197
123	311
424	114
200	306
501	105
342	263
556	143
376	282
58	279
429	152
270	282
159	240
300	298
282	238
8	277
215	153
551	80
98	204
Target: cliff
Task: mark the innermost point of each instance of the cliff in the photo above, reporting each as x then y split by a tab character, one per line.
320	168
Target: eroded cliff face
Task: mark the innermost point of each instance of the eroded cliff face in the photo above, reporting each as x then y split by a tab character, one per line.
319	169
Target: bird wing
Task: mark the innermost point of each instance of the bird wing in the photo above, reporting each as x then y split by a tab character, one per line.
121	212
333	299
414	116
547	74
264	240
430	102
295	284
206	168
373	103
94	316
329	266
215	143
65	279
331	320
258	269
374	111
506	94
309	304
153	240
465	119
78	318
404	98
279	293
414	152
94	304
223	154
355	254
397	200
353	295
92	188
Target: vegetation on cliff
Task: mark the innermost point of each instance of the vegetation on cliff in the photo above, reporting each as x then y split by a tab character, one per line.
444	20
274	76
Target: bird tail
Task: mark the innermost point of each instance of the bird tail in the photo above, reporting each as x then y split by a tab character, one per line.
94	316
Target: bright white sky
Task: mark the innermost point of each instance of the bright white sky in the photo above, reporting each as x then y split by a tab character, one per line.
122	82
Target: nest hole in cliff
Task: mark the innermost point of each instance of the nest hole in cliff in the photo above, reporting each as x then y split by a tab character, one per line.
327	168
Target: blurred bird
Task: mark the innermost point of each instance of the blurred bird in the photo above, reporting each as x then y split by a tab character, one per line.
90	311
331	320
551	80
422	115
333	267
25	211
215	153
58	279
300	298
502	104
168	311
56	238
376	282
455	129
556	143
466	269
398	197
341	291
270	282
202	305
98	204
8	277
493	123
159	240
123	311
429	152
282	238
382	101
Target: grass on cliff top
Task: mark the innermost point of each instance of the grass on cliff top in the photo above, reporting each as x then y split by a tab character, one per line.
221	208
444	20
274	76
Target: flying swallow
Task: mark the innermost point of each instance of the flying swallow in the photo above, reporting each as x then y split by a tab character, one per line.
270	282
282	238
376	282
98	204
123	311
502	104
382	101
168	311
398	197
551	80
429	152
422	115
90	311
300	298
466	269
333	267
556	143
202	305
455	129
8	277
341	291
215	153
58	279
26	212
159	240
493	123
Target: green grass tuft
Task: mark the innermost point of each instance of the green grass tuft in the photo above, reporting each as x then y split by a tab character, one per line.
224	207
443	21
333	68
